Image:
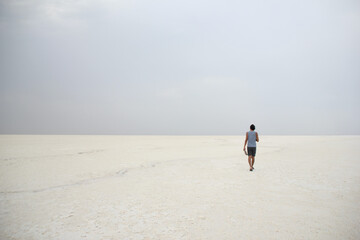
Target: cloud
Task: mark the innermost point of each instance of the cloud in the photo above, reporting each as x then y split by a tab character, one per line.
58	13
172	93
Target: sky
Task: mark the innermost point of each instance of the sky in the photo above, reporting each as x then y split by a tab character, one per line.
180	67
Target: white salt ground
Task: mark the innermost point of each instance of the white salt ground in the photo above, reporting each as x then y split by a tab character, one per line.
178	187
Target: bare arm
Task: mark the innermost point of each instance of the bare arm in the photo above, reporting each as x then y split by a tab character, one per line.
257	137
246	139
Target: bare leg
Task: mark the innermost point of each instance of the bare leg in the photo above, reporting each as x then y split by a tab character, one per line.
253	161
249	159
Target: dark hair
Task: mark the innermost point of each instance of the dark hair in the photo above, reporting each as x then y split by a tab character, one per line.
252	127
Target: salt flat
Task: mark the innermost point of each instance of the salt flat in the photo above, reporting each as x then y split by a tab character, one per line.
178	187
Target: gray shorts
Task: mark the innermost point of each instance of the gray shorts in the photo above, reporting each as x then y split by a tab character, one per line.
251	151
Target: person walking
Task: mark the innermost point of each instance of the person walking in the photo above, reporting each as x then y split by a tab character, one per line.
251	138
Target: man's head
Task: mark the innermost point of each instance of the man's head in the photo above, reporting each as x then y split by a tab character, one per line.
252	127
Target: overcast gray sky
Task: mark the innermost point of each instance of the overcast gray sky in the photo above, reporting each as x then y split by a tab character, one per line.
179	67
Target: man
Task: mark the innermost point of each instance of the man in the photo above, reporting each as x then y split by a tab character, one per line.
251	138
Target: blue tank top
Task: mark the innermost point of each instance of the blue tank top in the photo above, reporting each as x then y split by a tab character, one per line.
251	139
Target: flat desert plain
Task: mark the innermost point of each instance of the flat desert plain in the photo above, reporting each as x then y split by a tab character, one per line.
178	187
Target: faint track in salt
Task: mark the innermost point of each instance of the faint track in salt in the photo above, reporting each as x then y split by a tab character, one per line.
118	173
81	182
52	156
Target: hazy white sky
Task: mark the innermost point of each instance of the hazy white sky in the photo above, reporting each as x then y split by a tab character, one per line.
179	67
